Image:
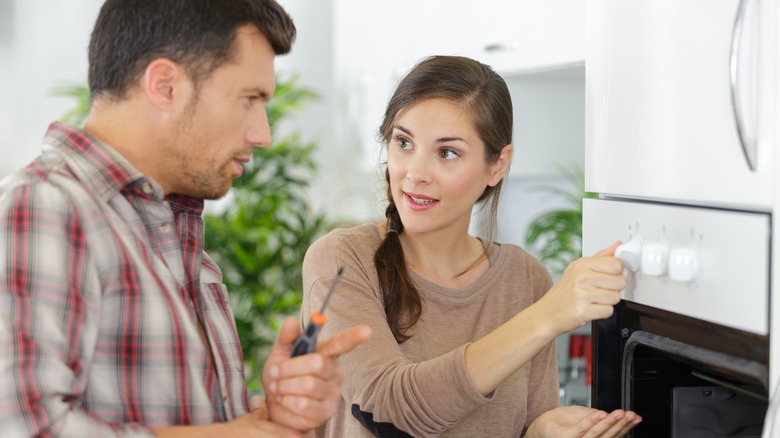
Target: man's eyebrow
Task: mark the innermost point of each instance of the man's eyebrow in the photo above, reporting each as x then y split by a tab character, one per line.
264	95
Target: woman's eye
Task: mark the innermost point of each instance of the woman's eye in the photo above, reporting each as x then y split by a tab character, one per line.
448	154
404	143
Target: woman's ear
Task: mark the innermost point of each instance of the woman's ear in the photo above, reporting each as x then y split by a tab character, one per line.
501	166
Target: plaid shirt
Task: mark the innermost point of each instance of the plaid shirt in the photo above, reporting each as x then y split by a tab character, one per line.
104	288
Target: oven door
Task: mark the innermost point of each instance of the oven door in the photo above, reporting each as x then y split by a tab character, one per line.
686	377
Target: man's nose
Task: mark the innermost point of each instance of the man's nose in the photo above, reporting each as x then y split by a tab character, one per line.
259	133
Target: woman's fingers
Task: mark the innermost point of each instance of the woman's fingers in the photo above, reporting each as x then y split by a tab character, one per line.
610	250
616	424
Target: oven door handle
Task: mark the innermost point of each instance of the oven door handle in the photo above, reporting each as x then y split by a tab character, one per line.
745	367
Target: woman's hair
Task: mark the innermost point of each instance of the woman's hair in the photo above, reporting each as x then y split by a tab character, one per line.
484	95
198	34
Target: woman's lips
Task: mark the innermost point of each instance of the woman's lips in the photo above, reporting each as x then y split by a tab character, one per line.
419	202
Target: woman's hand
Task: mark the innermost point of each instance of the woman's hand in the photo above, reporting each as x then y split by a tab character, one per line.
587	290
582	422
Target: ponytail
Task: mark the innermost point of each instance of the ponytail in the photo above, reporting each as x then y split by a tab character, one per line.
402	301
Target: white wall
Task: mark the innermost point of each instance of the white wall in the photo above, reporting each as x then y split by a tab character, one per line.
344	188
47	49
347	188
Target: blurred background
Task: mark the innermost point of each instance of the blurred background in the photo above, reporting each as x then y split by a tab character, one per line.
350	54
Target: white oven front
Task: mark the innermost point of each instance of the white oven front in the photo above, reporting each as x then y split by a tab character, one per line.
705	263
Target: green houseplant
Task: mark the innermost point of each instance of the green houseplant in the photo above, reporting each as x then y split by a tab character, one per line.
78	113
555	236
260	238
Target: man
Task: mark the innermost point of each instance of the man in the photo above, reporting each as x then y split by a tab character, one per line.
113	321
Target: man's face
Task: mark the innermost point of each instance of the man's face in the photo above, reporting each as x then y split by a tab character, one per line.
217	131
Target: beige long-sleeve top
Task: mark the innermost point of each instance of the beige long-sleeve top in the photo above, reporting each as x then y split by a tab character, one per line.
421	386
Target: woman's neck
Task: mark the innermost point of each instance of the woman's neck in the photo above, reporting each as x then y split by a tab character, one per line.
452	261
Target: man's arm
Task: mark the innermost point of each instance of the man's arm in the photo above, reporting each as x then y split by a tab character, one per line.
50	309
254	424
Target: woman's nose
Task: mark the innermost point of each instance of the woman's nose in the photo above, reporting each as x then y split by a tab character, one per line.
418	170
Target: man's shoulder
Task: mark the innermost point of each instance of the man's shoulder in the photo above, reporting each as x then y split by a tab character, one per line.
41	184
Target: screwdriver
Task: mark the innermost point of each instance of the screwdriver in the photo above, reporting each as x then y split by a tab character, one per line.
307	341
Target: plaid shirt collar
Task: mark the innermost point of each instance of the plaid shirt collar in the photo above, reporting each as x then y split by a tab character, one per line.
107	173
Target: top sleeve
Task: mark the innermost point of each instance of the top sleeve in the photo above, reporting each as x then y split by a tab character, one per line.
543	387
49	312
420	398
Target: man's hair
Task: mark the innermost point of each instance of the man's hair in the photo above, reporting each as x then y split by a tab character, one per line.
198	34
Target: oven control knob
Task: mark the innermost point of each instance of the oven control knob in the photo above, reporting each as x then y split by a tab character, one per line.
683	264
630	254
655	259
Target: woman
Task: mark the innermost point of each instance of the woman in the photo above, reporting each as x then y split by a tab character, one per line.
464	328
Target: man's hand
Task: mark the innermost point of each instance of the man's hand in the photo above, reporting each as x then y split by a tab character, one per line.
255	424
302	392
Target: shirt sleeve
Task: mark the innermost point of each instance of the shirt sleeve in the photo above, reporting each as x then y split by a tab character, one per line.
49	315
420	398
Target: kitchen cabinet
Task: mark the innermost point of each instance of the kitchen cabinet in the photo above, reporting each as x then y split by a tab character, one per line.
679	96
510	35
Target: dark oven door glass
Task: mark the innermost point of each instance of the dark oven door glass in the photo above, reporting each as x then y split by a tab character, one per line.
686	377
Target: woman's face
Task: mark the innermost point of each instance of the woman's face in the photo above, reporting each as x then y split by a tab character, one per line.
437	168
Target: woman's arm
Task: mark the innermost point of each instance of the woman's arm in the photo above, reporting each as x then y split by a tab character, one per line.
588	289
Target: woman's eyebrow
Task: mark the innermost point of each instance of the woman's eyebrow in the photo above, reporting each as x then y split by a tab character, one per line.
449	139
406	131
438	140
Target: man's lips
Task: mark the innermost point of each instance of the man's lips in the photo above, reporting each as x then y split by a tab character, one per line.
238	164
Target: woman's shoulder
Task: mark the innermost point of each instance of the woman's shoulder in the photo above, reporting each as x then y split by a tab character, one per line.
358	239
516	254
351	248
514	260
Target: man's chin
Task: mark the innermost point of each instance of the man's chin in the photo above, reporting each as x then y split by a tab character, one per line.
211	194
214	196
